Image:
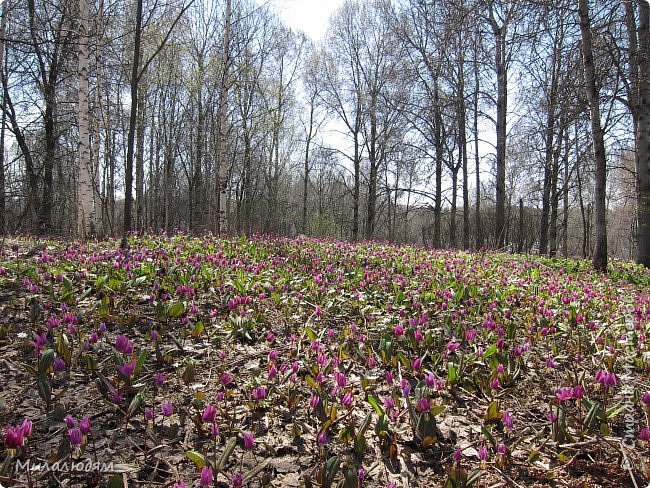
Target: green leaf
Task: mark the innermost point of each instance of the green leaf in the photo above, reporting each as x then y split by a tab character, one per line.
45	389
374	401
176	310
115	481
46	361
140	363
452	374
490	351
138	400
227	452
197	458
256	470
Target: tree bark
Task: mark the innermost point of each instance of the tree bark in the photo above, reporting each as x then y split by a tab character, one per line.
499	33
3	211
85	193
128	170
222	171
600	252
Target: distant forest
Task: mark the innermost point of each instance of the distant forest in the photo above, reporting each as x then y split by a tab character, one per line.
521	125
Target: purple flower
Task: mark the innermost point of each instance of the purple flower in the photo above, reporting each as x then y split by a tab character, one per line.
76	437
389	403
159	380
179	484
249	441
26	428
59	365
424	405
209	414
84	425
237	480
644	435
645	399
416	364
494	384
313	401
347	400
127	369
154	335
207	478
216	431
167	409
322	438
273	371
398	331
69	421
502	449
226	379
340	378
564	394
148	414
458	454
14	437
389	377
483	453
508	421
121	343
406	387
361	474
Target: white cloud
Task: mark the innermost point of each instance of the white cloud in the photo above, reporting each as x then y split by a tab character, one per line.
308	16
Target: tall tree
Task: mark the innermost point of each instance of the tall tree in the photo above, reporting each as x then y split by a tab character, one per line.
593	96
638	32
85	193
3	211
222	170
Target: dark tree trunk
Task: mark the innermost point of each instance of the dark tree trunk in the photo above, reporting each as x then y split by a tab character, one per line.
600	252
128	177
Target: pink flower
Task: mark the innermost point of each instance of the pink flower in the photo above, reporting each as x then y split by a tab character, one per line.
127	369
398	330
167	409
76	437
416	364
424	405
259	394
347	400
14	437
313	401
483	453
237	480
389	403
508	421
207	478
249	441
322	438
644	435
458	454
209	413
84	425
494	384
645	399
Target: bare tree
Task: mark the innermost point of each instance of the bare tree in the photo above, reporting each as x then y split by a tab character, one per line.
593	96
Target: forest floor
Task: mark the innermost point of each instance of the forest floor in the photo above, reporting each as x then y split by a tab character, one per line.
189	361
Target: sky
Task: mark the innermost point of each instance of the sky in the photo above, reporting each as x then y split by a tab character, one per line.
308	16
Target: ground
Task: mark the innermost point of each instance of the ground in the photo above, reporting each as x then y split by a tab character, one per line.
303	362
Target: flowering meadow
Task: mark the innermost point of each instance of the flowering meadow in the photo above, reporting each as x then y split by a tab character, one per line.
264	361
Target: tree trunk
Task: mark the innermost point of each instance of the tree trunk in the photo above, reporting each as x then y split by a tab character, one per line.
642	125
477	158
85	193
128	170
502	107
600	252
3	211
139	161
438	138
222	171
